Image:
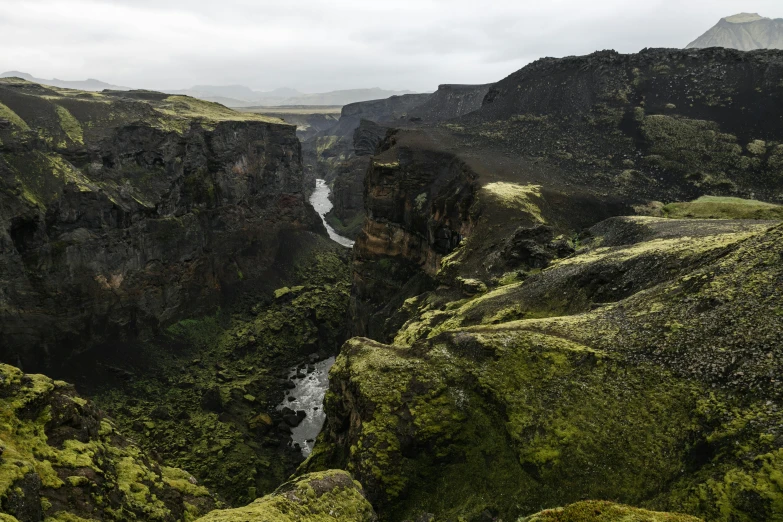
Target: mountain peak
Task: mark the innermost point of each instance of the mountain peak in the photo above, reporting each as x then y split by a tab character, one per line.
744	18
743	31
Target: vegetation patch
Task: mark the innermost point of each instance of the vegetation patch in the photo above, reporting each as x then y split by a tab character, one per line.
316	497
714	207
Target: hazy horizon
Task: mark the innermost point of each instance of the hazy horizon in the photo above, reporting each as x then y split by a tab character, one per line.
265	45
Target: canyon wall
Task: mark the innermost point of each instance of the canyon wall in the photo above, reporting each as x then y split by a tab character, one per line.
121	213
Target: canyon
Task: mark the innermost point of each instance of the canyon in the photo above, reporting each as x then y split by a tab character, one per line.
563	301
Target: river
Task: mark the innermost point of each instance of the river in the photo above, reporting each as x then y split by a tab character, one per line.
308	395
322	205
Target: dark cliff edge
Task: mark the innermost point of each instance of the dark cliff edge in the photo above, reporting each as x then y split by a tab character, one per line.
121	213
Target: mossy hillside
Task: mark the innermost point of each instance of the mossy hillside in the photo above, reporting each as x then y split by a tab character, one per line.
316	497
688	363
717	325
597	511
712	207
50	130
73	115
596	276
503	424
211	402
63	460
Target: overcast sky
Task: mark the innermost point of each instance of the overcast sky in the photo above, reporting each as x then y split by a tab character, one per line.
322	45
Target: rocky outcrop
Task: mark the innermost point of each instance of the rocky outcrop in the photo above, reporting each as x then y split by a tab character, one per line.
331	495
347	178
61	459
121	213
744	31
566	143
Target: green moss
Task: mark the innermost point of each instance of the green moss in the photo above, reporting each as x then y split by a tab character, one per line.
317	497
695	149
209	369
517	197
712	207
210	113
70	125
32	407
8	114
538	412
598	511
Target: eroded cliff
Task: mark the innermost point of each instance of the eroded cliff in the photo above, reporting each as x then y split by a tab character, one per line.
121	213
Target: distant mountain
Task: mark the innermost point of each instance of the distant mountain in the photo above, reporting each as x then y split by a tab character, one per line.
241	96
236	96
744	31
89	84
343	97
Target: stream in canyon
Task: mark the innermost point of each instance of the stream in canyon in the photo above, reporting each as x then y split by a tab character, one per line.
313	381
308	396
322	205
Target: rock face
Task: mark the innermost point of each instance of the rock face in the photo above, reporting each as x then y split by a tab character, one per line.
343	162
121	213
451	101
331	495
62	460
523	346
744	31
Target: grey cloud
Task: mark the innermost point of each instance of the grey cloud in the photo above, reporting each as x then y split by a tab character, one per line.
315	45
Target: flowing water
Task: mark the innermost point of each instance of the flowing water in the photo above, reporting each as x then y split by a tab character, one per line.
308	396
322	205
312	383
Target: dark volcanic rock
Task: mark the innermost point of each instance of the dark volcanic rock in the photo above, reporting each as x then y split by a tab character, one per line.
340	161
451	101
120	216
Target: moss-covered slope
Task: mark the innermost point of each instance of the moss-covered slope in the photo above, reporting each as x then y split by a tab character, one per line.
591	511
663	393
317	497
62	460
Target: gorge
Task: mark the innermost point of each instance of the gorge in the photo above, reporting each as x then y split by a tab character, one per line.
553	298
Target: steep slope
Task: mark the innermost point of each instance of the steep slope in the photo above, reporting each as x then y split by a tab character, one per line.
744	31
660	389
450	101
121	213
61	459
